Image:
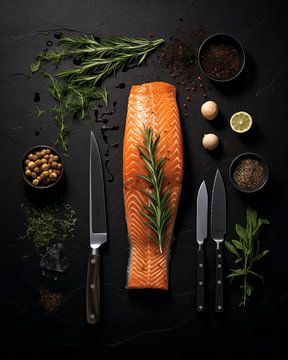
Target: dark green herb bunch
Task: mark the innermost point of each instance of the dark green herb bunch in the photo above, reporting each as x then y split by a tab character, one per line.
48	224
157	212
247	252
75	89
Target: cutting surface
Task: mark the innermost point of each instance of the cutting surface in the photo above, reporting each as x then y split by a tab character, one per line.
145	324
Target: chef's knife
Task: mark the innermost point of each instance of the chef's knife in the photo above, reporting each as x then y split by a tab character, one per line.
201	234
218	230
97	231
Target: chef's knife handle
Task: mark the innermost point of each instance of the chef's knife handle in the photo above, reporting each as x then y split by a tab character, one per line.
93	289
200	301
219	280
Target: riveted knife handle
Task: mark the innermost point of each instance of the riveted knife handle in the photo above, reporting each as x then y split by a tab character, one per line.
200	300
93	289
219	280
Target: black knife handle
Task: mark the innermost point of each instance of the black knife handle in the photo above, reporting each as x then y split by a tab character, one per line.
93	289
219	306
200	301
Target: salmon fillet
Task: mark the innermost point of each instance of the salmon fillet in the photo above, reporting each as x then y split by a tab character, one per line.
151	105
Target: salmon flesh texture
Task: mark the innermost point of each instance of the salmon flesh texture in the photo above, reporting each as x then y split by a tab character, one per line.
152	105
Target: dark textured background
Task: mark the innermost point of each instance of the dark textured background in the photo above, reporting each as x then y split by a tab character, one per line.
145	325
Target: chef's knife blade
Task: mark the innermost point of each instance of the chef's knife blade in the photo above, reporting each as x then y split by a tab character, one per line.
201	234
97	231
218	231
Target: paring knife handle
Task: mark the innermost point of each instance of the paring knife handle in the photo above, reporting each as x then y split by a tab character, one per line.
93	289
219	280
200	300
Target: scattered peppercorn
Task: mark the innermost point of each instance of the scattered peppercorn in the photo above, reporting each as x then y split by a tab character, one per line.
249	173
50	301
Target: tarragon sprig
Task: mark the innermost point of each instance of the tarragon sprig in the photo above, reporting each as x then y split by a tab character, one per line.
247	252
157	213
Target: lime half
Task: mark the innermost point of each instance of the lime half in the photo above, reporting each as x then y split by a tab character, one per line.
241	121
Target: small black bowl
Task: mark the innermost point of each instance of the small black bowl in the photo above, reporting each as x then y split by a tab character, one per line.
224	39
28	180
253	156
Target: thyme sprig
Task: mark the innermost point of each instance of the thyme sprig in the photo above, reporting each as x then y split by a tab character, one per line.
157	212
75	89
247	252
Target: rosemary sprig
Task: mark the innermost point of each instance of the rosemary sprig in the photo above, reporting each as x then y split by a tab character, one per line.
157	212
76	88
247	252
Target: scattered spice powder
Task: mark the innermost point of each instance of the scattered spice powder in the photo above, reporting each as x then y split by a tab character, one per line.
248	173
50	301
180	58
221	61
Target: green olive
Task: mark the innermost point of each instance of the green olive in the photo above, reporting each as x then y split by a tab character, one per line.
45	167
54	164
44	161
36	169
53	176
35	157
45	174
48	151
28	172
38	162
33	175
30	156
59	166
43	152
27	161
35	182
31	165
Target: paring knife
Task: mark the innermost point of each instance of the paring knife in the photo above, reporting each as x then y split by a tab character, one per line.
97	231
201	234
218	231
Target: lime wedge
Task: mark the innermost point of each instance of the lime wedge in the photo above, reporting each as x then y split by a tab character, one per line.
241	122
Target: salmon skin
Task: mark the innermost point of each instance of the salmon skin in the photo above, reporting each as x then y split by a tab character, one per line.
152	105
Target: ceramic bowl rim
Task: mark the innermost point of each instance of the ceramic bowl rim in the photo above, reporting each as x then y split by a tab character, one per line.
31	149
255	156
210	38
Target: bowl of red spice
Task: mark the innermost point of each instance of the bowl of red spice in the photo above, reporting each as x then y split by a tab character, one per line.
221	57
248	172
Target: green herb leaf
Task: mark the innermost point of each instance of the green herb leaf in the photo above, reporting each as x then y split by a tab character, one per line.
75	89
231	248
241	232
249	244
35	66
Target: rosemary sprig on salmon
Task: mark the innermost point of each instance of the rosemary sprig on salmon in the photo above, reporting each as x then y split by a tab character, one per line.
157	212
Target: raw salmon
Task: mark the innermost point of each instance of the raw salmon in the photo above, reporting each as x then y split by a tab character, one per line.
152	105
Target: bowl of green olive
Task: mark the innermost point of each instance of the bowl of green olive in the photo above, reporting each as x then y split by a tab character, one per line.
42	167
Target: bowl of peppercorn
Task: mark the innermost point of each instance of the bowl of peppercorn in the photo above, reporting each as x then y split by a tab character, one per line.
248	172
42	167
221	57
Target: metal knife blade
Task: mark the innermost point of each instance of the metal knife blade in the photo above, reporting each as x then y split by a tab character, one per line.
218	209
97	231
97	204
218	231
201	234
202	214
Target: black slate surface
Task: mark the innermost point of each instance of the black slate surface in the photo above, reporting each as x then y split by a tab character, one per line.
145	324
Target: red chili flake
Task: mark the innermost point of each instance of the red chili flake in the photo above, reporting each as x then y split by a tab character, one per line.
204	94
188	98
201	85
185	105
193	88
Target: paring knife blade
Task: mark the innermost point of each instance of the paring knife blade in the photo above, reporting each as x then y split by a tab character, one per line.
97	231
201	235
218	231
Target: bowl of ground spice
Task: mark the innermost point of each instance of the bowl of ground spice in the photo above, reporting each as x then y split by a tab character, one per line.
221	57
249	172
